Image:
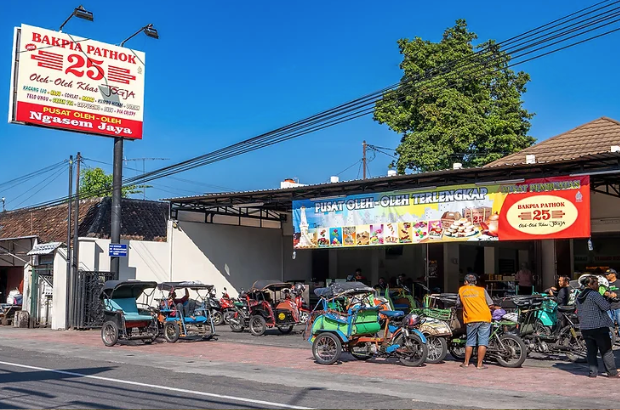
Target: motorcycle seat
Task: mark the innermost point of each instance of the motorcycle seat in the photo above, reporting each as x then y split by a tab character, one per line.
399	306
566	309
392	313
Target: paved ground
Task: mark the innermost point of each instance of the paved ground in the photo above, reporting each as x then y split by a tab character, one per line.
44	368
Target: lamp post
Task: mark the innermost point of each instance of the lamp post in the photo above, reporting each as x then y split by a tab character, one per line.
117	174
79	12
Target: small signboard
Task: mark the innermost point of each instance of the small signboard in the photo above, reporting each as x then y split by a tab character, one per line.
117	249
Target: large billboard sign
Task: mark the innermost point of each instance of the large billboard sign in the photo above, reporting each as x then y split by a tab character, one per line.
76	84
549	208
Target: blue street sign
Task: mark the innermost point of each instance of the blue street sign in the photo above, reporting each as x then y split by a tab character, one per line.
117	249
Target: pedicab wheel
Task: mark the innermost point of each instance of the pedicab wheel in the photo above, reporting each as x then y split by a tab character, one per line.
286	330
417	351
171	332
326	348
516	351
109	333
217	317
457	351
258	325
437	349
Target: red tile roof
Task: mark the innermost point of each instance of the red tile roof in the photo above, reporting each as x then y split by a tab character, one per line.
592	138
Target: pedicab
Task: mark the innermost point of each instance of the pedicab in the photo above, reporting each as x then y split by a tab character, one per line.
125	318
172	319
276	307
348	317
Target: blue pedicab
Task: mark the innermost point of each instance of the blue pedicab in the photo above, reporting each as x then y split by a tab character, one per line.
125	318
175	323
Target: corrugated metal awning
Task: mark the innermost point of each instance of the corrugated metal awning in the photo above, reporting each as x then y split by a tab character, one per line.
44	248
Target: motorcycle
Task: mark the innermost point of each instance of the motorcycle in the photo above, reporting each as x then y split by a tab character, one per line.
217	314
240	319
228	306
549	340
304	312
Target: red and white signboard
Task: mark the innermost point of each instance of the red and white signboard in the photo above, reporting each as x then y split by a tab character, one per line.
76	84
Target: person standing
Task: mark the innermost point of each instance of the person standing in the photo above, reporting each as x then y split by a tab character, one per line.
594	323
359	277
525	280
476	304
612	292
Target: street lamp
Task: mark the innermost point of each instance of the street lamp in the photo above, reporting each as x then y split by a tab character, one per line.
117	174
79	12
149	30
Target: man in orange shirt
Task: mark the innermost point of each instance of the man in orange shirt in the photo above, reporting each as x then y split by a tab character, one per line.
477	316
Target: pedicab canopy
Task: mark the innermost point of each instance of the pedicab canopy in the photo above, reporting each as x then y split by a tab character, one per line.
123	289
194	285
271	284
336	289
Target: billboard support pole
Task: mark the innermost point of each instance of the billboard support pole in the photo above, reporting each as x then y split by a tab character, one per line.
117	182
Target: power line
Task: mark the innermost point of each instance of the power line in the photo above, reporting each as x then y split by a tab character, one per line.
34	174
363	106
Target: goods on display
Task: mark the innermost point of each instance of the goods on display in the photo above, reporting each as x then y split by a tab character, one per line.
544	208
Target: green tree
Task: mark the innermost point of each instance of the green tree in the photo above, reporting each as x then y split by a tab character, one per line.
470	113
94	182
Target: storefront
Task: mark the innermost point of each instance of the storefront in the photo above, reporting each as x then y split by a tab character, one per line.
533	214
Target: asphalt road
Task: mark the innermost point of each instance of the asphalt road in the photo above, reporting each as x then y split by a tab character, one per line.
35	380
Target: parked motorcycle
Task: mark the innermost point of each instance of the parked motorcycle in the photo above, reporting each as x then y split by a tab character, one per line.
217	313
240	320
304	311
549	340
228	306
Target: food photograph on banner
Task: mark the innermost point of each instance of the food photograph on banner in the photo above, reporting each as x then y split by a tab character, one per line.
76	84
532	209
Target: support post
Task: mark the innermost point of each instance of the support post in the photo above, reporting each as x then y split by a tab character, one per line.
117	182
364	160
76	245
68	276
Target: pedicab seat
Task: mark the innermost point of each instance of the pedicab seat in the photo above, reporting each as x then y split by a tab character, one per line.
401	306
129	308
392	313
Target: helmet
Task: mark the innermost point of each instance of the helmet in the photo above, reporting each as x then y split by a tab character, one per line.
412	320
299	288
602	280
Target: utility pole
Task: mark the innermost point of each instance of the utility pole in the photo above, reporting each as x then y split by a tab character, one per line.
76	243
364	159
144	168
68	276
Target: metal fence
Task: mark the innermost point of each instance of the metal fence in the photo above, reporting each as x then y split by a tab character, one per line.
87	306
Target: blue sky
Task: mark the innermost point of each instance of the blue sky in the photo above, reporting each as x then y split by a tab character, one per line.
225	71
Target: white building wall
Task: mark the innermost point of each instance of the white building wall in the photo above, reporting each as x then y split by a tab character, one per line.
227	256
604	212
59	295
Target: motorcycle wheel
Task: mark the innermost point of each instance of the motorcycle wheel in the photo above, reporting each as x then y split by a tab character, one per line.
228	315
286	330
437	349
326	348
171	332
236	327
417	351
217	317
258	325
516	354
457	351
304	317
577	352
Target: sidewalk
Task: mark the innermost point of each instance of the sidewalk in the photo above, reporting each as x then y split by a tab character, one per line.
564	379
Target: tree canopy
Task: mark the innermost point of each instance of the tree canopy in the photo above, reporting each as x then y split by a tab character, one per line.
457	103
94	182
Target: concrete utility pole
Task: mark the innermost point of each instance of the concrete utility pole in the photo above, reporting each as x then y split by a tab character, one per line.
68	277
117	184
76	244
364	159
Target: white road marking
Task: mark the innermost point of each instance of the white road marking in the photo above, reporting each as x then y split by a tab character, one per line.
159	387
